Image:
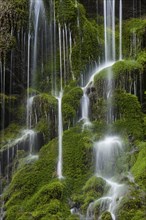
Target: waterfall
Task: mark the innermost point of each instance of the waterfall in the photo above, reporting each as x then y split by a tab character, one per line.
106	153
34	46
110	54
109	23
120	31
85	109
3	89
60	134
109	149
85	101
60	55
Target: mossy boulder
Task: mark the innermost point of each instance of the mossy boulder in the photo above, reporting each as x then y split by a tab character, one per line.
93	189
70	106
96	184
35	197
106	216
139	167
9	134
125	75
129	114
44	115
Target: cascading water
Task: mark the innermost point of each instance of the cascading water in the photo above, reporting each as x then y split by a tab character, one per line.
107	151
36	17
60	134
120	31
85	102
59	98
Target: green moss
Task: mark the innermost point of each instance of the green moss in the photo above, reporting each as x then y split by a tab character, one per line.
133	26
23	186
73	217
70	105
95	183
126	66
47	194
86	50
45	107
120	68
9	134
141	58
106	216
40	195
129	112
77	158
14	14
66	11
92	190
139	168
128	208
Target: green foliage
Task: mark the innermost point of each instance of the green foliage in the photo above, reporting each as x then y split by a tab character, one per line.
133	27
14	14
77	158
9	134
73	217
70	105
129	112
139	168
47	194
87	49
141	58
45	107
92	190
130	208
41	197
106	216
66	11
126	66
120	68
96	184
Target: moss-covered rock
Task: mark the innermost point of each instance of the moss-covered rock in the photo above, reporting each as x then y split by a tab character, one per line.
14	15
129	114
106	216
96	184
9	134
70	106
92	190
125	75
44	115
36	197
139	167
133	36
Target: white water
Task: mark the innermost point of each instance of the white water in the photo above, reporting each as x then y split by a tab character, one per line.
29	111
107	151
37	8
109	23
36	15
120	31
60	134
85	102
60	55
